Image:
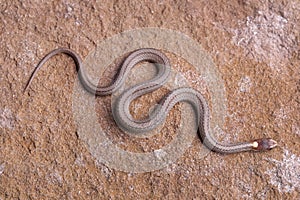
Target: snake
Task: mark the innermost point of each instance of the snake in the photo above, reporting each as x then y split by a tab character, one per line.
121	111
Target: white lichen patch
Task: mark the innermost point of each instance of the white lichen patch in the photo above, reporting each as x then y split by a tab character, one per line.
2	167
296	129
285	174
191	77
213	167
27	54
245	188
282	115
7	119
179	80
69	11
245	84
79	161
160	154
54	178
266	37
171	168
107	172
137	107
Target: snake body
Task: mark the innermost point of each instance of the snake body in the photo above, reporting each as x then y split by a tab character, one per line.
121	111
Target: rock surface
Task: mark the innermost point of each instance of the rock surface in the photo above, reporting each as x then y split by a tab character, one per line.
254	46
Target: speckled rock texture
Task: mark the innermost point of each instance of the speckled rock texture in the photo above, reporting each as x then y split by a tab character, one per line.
254	46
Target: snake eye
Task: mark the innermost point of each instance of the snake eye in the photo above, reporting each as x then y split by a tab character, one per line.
264	144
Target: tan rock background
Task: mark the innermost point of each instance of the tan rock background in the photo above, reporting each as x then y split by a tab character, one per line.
255	46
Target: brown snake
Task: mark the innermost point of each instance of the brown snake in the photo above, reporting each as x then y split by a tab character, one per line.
121	109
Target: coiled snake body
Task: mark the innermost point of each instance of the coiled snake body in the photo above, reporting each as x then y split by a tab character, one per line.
121	109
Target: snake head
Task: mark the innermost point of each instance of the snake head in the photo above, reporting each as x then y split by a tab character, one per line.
264	144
